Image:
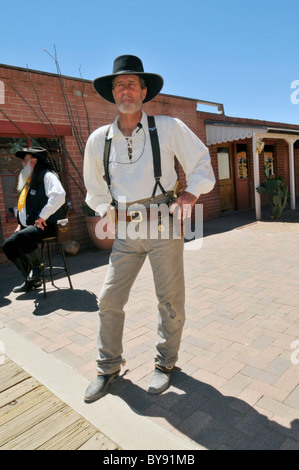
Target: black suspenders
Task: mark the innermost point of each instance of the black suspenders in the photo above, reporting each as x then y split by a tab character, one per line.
106	157
156	156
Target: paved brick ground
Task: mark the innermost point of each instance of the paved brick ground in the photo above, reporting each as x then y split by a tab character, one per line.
238	387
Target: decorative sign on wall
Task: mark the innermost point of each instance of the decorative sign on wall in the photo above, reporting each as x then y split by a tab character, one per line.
242	165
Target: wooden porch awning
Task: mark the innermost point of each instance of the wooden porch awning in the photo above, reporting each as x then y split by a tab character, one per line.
34	129
219	133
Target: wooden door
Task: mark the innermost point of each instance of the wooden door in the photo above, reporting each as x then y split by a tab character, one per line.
226	180
242	180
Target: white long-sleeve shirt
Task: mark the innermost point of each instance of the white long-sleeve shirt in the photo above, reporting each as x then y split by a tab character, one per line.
56	198
135	180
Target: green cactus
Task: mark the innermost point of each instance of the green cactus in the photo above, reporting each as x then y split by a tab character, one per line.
277	192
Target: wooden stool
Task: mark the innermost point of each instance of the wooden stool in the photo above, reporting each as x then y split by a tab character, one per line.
48	241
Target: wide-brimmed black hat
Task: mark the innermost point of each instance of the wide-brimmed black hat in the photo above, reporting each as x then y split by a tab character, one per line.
37	152
128	65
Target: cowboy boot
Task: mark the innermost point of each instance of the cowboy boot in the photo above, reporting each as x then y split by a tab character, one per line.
35	262
27	285
21	267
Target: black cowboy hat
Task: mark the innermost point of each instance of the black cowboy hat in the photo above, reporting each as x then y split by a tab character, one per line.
39	153
128	65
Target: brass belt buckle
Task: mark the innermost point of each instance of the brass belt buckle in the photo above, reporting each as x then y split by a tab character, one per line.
136	213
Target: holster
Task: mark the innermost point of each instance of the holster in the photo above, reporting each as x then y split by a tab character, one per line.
177	189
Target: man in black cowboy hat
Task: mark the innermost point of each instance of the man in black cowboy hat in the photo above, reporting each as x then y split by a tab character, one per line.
41	204
131	176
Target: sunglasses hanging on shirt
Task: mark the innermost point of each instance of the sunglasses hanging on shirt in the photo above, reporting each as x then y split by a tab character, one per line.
130	148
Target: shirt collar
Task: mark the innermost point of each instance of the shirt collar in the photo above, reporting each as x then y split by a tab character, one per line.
114	129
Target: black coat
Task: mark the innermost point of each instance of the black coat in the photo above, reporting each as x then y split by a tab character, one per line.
36	199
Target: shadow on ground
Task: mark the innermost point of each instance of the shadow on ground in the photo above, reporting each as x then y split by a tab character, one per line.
236	219
68	300
76	299
215	421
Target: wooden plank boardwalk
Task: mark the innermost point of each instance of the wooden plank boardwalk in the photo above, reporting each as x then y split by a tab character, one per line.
33	418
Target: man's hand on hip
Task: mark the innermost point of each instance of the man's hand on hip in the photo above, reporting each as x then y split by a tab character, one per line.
183	205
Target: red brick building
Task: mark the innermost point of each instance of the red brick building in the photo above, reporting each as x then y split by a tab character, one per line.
38	108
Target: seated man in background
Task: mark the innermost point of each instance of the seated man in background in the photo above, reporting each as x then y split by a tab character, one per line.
41	204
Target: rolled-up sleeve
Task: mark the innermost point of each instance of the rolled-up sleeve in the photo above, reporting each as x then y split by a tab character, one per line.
55	193
195	159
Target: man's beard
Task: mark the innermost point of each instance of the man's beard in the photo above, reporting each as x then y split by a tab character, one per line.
25	173
130	108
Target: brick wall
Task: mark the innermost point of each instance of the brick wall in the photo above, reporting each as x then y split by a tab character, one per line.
296	158
28	114
30	94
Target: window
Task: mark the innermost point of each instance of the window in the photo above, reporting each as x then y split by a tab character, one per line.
269	159
223	163
10	166
242	161
9	170
10	145
53	147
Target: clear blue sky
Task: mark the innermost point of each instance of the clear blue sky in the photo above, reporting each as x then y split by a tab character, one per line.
242	53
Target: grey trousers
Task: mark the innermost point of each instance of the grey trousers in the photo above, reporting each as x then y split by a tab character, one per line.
126	260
